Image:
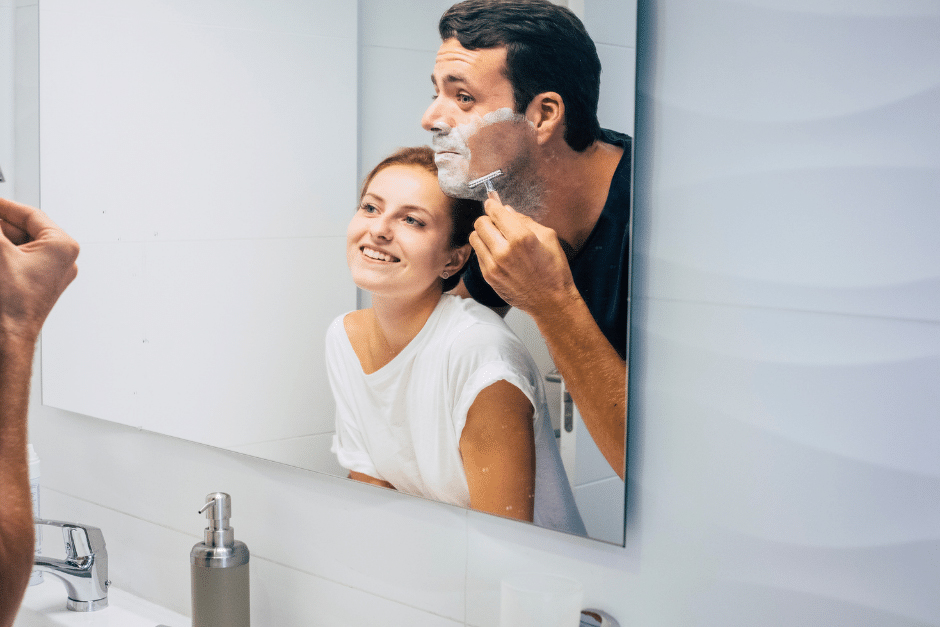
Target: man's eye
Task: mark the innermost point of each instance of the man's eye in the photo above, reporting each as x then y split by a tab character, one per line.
464	99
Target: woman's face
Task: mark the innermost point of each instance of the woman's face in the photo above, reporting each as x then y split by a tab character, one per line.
398	242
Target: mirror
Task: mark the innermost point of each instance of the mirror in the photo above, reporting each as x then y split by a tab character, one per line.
207	157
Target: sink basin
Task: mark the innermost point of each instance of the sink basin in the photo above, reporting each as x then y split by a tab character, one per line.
44	606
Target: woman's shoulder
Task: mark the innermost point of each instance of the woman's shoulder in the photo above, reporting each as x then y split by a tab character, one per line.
354	322
345	328
467	311
472	327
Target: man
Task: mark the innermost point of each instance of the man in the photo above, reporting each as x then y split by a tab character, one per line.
517	84
37	262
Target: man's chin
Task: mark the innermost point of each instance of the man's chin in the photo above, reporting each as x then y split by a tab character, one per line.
459	189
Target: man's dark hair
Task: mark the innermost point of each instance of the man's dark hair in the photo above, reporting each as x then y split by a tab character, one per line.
547	49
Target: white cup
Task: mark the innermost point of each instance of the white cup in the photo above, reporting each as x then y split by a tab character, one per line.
540	600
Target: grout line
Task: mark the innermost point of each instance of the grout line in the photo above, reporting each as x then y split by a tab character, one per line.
117	511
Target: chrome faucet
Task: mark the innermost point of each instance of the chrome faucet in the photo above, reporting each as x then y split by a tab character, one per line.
84	571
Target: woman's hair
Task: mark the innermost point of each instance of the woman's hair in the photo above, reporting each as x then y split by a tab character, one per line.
463	211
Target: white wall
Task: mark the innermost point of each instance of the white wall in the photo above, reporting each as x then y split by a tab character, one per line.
783	465
203	155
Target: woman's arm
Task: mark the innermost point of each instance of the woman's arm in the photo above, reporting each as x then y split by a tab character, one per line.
360	476
498	449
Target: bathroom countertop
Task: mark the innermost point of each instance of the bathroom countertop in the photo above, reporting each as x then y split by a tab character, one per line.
44	606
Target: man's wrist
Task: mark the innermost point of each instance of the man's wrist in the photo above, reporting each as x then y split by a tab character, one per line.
16	339
562	310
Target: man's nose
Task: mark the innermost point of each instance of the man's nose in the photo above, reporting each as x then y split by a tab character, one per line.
434	118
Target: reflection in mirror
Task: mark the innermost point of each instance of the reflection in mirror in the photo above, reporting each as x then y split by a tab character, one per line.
205	157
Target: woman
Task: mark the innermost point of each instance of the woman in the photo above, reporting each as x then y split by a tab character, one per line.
435	396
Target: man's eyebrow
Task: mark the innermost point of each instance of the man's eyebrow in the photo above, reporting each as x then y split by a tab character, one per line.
449	78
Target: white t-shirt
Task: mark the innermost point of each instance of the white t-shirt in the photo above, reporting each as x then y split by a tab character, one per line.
403	422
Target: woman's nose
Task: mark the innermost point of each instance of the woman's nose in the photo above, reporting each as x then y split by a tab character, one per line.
381	228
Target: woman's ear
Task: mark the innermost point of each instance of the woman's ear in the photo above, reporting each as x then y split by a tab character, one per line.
546	113
458	258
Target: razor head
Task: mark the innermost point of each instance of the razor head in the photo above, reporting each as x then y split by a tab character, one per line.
486	181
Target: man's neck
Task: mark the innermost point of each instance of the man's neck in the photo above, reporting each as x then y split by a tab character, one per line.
576	189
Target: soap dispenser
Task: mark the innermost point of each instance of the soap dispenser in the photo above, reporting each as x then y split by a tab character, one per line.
219	570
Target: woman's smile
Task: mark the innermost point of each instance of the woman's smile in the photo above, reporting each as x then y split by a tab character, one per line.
378	255
399	238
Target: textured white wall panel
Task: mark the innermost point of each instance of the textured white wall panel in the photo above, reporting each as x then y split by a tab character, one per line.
786	390
795	164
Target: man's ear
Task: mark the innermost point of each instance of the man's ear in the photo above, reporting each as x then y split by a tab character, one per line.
458	257
546	112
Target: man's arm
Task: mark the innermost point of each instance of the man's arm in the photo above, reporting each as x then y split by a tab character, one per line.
37	262
16	514
526	265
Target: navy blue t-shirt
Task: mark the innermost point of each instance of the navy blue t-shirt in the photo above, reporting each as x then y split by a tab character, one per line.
601	269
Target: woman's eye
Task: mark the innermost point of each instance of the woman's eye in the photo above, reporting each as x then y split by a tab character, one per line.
413	221
368	208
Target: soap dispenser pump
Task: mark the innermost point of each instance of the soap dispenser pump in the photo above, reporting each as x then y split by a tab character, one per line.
220	570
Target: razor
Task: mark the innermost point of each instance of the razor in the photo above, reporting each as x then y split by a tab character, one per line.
486	181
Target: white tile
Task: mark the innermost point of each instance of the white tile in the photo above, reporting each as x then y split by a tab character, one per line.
234	328
814	238
831	73
616	105
394	546
611	21
310	452
94	355
499	547
400	81
601	504
808	187
284	596
312	17
408	26
789	427
26	102
214	133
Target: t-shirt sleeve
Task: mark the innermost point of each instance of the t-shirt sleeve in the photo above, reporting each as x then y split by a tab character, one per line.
482	355
348	444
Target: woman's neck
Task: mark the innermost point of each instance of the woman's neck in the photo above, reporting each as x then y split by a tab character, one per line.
397	321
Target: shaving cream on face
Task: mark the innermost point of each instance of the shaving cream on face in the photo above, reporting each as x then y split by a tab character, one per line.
453	154
501	140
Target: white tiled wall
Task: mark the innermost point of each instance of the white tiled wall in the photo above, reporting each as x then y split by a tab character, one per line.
784	397
204	156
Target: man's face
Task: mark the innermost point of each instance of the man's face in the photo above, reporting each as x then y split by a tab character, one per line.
475	130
